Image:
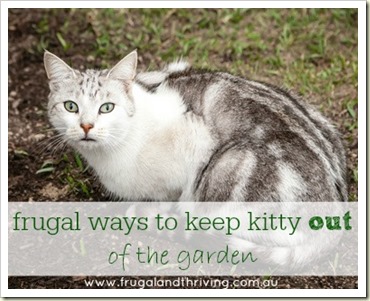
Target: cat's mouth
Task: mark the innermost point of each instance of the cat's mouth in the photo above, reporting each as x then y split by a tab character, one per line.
87	139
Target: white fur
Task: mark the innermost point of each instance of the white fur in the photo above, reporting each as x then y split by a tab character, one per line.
178	66
246	170
147	147
291	185
151	78
160	151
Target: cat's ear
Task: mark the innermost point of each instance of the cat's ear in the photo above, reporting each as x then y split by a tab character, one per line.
125	69
55	67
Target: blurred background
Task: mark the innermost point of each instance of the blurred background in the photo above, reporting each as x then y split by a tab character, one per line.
311	51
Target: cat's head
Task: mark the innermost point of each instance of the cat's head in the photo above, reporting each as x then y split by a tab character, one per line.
91	109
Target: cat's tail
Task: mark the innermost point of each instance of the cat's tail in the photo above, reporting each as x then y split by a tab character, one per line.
284	257
273	251
177	66
153	79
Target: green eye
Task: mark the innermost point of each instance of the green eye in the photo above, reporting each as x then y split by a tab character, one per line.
106	107
71	106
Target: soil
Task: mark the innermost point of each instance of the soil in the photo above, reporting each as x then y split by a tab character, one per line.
29	131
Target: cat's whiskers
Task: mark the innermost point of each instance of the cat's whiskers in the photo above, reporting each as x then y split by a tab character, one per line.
56	129
54	145
60	147
47	143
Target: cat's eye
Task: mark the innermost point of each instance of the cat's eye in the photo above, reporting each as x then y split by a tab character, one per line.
71	106
106	107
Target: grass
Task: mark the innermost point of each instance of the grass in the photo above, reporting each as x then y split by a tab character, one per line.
312	51
71	171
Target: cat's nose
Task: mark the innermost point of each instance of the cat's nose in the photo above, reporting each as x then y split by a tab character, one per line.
86	127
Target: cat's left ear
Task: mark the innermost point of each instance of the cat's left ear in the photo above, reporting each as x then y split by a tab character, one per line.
125	69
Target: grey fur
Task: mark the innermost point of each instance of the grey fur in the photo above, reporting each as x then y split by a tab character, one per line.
269	144
261	143
290	134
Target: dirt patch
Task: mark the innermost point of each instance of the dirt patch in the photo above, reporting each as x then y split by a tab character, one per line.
53	193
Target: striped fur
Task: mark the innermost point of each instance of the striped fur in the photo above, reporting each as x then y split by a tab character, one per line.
225	138
275	127
189	135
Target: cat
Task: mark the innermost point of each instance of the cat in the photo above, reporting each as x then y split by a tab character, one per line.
191	135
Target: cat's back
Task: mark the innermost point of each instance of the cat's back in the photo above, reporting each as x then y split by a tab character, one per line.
271	145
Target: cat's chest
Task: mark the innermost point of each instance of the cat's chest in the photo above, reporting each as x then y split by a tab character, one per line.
154	177
160	168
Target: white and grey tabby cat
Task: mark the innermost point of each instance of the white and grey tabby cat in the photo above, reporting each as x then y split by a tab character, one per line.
192	135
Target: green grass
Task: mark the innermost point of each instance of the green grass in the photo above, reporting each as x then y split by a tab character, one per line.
312	51
70	170
305	49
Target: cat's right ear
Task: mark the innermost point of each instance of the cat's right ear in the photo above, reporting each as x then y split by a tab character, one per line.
125	69
55	67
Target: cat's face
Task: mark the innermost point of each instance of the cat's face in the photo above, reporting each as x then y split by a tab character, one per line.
92	109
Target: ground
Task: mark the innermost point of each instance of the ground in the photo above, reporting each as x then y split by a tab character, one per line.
311	51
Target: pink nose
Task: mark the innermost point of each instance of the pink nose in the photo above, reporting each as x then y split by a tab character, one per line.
86	127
